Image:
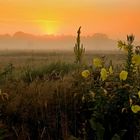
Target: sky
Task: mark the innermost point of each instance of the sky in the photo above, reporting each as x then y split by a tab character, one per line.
116	18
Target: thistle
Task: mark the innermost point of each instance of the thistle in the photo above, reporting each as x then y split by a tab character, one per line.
79	50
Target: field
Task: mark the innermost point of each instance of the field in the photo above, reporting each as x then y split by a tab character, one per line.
48	95
34	57
69	70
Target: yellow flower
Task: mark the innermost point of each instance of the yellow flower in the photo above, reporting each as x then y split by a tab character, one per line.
136	59
135	108
85	73
103	74
110	70
139	94
123	75
97	62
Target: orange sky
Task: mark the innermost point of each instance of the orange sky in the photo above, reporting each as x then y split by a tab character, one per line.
116	18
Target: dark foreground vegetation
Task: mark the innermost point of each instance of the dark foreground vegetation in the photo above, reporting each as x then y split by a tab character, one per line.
72	101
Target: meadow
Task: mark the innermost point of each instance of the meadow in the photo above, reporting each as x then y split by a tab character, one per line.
63	95
35	57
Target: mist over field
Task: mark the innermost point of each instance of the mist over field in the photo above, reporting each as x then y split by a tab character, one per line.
69	70
22	41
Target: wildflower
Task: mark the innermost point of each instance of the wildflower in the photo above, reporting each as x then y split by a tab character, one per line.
136	59
97	62
139	94
110	70
85	73
135	108
123	75
103	74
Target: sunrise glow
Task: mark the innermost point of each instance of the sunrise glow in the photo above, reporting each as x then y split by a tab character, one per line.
115	18
48	26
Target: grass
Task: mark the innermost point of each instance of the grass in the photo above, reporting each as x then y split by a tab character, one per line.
49	99
20	58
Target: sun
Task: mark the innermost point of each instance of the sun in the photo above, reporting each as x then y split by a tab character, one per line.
49	26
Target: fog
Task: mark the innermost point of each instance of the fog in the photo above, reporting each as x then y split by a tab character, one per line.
25	41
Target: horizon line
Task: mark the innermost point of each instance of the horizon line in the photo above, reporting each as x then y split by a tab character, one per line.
55	35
